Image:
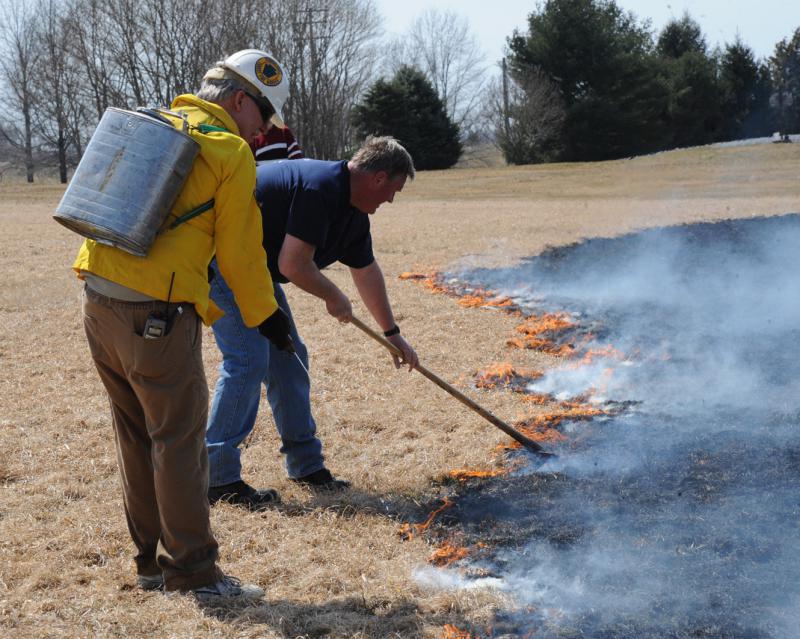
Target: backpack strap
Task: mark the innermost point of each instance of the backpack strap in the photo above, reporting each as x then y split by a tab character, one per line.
180	219
208	128
193	213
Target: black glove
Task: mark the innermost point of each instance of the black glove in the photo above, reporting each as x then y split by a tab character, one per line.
276	329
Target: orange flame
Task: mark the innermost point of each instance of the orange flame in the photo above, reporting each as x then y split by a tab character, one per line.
472	301
537	398
408	531
433	285
475	299
537	324
503	374
544	426
537	332
607	352
449	631
543	345
428	280
484	298
541	428
533	329
447	554
464	474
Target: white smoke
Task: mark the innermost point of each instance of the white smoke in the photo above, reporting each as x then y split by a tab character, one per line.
450	579
689	501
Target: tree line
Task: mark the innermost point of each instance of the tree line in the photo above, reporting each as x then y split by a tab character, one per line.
587	81
64	62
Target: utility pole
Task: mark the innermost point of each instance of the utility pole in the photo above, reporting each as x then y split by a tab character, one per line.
506	124
316	15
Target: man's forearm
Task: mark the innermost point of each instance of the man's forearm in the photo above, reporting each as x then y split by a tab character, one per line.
309	278
372	289
296	262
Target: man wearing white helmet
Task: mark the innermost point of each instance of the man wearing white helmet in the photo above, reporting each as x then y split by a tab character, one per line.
261	74
155	380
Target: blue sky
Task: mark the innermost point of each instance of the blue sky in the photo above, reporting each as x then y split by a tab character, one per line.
760	23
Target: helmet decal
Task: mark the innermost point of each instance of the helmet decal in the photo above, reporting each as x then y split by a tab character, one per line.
268	71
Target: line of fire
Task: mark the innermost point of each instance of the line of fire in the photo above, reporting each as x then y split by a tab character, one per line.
671	508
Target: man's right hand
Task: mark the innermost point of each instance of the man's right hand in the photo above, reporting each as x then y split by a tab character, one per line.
276	328
339	306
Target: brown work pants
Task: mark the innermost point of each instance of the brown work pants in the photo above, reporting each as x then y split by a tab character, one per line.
159	403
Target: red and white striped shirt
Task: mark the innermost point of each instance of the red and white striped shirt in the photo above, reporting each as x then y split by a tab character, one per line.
277	144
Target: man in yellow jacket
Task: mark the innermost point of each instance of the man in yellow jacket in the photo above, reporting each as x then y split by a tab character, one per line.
153	370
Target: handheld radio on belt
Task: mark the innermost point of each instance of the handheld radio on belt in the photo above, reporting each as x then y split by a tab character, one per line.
158	324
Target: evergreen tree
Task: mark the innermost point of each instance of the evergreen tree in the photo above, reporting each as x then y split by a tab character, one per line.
603	64
745	102
762	120
785	73
680	37
408	108
695	111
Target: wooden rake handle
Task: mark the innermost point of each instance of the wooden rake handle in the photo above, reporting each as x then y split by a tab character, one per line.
492	419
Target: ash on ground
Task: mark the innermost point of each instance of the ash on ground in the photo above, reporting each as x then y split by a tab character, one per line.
681	516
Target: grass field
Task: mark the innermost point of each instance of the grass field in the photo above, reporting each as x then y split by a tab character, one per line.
334	566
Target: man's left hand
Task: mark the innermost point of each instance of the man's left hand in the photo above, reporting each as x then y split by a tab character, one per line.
409	357
277	329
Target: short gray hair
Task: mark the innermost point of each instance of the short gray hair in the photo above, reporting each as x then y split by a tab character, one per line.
218	90
384	153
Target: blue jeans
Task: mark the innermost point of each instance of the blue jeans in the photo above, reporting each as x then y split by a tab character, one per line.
248	359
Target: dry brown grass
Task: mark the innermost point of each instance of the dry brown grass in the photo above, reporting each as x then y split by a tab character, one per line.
334	566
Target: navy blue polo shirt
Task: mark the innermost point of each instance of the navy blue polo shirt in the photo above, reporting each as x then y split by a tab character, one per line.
310	199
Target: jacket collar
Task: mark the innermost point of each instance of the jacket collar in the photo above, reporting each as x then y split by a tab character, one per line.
201	111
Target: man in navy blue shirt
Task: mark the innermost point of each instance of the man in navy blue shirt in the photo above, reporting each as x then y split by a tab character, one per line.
314	213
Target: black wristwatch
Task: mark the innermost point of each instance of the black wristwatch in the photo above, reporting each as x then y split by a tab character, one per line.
392	331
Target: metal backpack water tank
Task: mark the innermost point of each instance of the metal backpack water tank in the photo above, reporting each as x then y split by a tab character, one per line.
128	179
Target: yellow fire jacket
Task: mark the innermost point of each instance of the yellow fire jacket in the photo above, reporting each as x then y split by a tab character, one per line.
225	171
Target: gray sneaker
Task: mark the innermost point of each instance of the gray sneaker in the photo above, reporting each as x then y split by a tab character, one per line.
228	587
150	582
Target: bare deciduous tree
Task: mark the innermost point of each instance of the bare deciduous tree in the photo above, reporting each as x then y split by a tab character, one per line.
92	54
137	52
232	25
90	41
18	63
183	40
128	49
329	48
527	128
58	116
442	46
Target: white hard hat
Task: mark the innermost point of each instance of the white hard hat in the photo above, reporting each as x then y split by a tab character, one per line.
258	71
